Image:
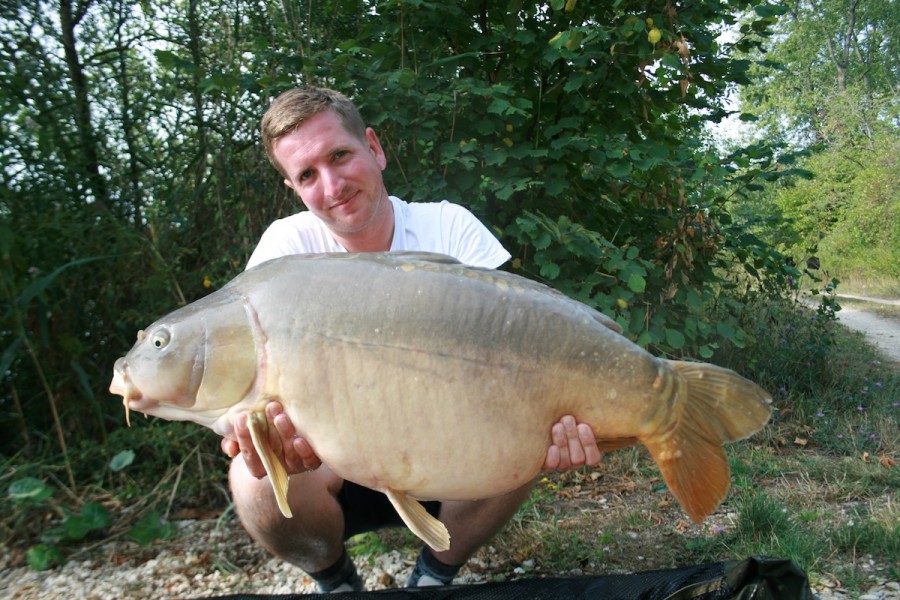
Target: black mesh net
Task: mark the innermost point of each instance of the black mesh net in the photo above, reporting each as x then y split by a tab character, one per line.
754	578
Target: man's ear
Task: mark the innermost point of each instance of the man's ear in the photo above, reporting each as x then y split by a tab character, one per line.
288	183
375	146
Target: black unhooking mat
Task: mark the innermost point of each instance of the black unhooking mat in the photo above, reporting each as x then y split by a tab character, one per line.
751	579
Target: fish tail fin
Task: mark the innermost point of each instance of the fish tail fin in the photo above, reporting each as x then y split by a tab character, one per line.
719	406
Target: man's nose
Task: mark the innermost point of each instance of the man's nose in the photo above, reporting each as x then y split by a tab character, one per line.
333	183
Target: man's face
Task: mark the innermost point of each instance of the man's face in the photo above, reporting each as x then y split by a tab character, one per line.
336	175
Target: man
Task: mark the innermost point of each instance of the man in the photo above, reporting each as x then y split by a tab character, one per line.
318	142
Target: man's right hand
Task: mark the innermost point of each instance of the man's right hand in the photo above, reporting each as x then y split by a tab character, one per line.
295	453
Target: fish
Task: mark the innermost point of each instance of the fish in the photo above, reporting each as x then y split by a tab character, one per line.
415	375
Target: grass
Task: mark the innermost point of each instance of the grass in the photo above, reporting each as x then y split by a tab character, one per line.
884	287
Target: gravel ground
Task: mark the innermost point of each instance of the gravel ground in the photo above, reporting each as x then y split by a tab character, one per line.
210	558
207	558
881	333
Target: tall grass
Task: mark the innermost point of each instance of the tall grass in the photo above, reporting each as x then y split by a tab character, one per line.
825	380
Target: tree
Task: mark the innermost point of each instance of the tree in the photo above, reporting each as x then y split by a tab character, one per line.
829	85
572	129
831	74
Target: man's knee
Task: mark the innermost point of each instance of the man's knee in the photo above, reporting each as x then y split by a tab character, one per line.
254	499
312	538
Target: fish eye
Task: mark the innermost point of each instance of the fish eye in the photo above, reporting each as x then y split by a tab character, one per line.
160	339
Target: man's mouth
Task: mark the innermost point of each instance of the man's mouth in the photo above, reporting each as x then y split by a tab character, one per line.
343	202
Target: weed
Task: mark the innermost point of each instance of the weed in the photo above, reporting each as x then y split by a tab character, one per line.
366	544
144	474
541	497
874	533
151	527
33	496
764	527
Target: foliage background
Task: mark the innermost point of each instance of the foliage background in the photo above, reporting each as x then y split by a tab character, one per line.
133	181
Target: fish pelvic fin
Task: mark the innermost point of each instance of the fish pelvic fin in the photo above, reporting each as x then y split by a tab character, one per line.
259	430
719	406
419	521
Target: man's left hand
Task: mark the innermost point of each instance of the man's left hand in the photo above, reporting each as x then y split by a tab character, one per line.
574	445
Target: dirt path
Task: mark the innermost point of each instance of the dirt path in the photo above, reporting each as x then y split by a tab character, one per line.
882	333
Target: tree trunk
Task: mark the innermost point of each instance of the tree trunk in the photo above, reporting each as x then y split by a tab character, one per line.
89	144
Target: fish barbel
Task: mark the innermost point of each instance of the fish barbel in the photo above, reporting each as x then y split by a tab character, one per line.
428	380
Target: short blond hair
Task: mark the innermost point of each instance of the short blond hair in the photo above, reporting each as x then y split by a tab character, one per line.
294	107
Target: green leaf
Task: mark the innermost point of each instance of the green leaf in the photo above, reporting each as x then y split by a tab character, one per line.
42	283
675	338
541	241
636	283
96	515
150	528
43	556
725	330
121	460
549	270
619	169
30	489
9	355
93	516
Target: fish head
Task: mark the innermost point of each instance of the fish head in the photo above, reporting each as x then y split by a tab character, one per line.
195	364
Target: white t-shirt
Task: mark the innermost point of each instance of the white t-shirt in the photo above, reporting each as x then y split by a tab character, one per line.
439	227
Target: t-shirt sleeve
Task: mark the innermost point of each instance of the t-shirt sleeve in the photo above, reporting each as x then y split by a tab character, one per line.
271	245
282	238
470	242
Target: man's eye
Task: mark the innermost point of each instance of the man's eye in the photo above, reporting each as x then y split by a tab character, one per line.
305	175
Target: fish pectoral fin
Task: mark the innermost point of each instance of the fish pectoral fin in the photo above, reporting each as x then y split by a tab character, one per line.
259	430
429	529
616	443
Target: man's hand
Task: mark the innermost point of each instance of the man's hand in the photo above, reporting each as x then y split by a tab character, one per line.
294	452
573	446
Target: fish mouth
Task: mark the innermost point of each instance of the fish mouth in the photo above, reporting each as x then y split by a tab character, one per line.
122	385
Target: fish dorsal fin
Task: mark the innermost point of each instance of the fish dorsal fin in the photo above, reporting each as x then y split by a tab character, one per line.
428	257
259	429
429	529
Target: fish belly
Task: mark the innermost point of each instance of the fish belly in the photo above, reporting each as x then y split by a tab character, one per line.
441	427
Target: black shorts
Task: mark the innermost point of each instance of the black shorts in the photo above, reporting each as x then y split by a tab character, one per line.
368	510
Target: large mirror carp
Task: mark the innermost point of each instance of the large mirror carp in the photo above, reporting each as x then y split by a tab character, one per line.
428	380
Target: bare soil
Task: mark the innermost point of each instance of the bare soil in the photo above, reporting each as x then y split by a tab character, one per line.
880	331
